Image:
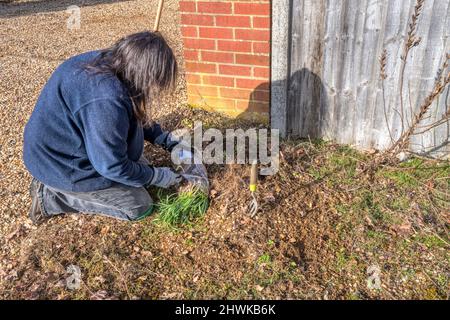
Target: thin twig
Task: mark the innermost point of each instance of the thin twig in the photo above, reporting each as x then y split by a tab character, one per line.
120	274
383	76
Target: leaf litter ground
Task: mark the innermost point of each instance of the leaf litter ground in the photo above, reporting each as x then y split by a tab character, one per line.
322	224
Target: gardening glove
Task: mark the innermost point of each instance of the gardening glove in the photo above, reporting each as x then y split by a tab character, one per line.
192	170
164	177
167	140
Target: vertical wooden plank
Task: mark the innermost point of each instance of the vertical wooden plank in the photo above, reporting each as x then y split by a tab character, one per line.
349	72
368	93
330	65
306	93
296	82
279	64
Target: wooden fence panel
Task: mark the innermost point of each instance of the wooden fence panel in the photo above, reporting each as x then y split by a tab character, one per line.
333	86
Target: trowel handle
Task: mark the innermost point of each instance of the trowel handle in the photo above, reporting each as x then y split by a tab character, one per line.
253	177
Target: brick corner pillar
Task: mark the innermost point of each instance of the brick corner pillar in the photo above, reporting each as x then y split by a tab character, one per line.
227	55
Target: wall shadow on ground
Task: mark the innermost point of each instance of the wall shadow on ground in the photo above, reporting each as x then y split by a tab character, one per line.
16	9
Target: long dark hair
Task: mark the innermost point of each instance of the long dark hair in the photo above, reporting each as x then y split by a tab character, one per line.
145	63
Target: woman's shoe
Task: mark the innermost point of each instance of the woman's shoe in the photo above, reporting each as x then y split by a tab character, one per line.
35	214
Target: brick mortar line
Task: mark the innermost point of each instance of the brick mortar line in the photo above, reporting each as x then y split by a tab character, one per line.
225	39
209	14
227	76
234	99
226	64
222	51
232	52
219	95
201	61
259	91
225	27
227	87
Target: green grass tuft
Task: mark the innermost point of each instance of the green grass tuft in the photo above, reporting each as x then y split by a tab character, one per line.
180	209
432	241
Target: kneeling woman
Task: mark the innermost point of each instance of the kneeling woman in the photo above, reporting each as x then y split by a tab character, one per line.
84	141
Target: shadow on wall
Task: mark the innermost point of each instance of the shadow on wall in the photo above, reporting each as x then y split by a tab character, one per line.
306	104
9	9
248	104
258	107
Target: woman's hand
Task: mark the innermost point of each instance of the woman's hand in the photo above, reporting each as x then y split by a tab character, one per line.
164	177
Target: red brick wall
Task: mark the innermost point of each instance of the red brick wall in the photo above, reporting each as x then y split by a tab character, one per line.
227	54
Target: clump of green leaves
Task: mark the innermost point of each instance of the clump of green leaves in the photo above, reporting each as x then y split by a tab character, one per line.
181	208
265	258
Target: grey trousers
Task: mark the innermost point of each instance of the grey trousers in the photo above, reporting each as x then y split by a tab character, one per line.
118	201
